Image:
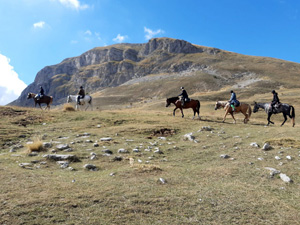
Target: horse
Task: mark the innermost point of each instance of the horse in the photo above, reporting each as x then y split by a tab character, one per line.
243	108
285	109
194	104
86	99
45	99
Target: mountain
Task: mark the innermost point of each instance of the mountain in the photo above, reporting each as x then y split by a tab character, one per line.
133	72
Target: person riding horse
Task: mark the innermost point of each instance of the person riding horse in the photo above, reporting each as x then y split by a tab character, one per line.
274	101
184	96
81	94
40	94
233	101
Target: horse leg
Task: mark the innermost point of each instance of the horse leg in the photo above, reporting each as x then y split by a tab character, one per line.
174	111
233	117
285	118
181	112
269	117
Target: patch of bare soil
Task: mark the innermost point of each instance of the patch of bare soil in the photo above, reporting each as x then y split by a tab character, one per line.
10	112
164	132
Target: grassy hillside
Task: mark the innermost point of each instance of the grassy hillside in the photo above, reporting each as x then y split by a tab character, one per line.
200	188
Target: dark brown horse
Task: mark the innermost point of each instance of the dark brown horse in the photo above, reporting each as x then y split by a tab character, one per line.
46	100
194	104
243	108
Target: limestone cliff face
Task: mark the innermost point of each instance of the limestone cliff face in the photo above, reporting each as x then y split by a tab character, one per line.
111	66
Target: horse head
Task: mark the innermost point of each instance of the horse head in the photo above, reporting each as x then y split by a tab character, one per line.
256	107
217	106
29	95
69	99
168	102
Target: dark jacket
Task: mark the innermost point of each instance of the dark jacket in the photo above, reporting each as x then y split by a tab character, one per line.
81	93
41	91
275	98
184	94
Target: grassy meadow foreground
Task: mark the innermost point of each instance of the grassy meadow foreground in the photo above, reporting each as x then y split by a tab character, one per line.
200	186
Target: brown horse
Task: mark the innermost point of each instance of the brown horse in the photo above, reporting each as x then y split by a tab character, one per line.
46	99
194	104
243	108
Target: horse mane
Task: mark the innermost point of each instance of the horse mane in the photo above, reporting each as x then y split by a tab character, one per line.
173	98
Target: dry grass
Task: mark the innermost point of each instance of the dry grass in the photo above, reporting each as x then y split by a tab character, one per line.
35	146
68	108
201	187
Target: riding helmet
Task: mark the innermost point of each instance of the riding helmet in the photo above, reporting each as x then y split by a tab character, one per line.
182	88
273	91
231	91
81	87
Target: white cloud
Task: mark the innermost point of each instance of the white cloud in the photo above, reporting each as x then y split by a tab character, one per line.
74	4
150	33
120	38
10	84
88	32
40	24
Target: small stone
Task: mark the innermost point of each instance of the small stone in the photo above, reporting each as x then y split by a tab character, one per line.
158	151
254	144
135	150
107	151
189	137
289	157
162	180
206	128
277	157
98	126
47	145
90	167
260	159
266	147
122	150
162	138
96	145
117	158
93	157
112	174
106	139
62	147
285	178
224	156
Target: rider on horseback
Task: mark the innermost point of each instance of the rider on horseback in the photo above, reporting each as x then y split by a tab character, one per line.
40	94
274	101
81	94
184	96
233	101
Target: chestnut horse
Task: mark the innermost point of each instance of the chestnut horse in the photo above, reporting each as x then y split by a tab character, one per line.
45	99
194	104
243	108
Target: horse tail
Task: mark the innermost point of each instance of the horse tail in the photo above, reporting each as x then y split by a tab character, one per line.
293	114
198	106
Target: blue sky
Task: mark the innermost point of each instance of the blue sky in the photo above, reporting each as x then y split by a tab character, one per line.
38	33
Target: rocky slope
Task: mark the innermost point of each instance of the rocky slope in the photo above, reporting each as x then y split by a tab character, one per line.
161	58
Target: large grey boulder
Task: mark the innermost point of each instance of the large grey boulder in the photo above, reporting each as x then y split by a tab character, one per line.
55	157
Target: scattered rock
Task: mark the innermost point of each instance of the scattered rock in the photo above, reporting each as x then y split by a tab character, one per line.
162	180
122	150
266	147
96	145
117	158
206	128
90	167
254	144
55	157
63	164
272	171
47	145
107	151
62	147
285	178
158	151
289	157
189	137
26	165
224	156
135	150
277	157
106	139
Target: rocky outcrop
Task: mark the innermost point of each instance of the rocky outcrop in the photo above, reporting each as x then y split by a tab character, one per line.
111	66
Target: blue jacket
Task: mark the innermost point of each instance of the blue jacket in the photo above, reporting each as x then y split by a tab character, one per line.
233	99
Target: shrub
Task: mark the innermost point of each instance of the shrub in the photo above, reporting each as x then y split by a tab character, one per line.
68	108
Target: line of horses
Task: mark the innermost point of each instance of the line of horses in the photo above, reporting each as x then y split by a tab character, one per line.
244	108
87	100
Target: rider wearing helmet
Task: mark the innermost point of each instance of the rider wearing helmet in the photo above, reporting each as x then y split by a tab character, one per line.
233	101
274	101
81	94
184	96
